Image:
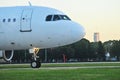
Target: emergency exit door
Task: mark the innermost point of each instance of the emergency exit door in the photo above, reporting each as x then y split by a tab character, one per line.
25	25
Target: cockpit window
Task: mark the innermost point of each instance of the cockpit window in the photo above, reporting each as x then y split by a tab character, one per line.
57	17
64	17
49	18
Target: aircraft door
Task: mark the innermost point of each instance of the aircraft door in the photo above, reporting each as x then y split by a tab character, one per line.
25	24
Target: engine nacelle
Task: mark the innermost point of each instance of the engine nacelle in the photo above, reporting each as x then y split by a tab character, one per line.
7	55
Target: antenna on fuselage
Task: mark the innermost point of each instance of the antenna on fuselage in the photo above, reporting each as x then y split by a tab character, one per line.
29	3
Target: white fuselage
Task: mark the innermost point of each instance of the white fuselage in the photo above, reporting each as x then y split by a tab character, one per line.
25	27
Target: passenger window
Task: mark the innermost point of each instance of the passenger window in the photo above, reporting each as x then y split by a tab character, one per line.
49	18
9	20
14	20
4	20
56	17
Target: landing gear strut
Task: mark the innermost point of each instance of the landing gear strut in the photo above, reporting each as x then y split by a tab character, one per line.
35	61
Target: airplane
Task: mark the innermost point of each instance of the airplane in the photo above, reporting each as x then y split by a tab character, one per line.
34	28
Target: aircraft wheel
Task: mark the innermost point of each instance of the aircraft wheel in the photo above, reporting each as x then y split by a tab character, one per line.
38	64
35	64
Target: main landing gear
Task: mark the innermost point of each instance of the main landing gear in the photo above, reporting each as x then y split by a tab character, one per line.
35	61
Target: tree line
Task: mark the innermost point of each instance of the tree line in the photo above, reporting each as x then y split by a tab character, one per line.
83	50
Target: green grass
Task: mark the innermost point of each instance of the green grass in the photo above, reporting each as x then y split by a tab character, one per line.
15	72
68	74
10	66
80	64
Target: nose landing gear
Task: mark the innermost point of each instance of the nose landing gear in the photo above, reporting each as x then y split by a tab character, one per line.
35	61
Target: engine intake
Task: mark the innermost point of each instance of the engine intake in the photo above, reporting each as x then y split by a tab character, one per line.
7	55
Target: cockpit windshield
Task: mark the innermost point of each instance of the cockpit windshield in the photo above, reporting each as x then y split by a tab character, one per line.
64	17
57	17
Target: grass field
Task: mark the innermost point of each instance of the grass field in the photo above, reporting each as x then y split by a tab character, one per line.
24	72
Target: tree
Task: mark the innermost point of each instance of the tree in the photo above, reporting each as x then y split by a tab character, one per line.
101	51
82	49
107	45
92	51
115	50
20	56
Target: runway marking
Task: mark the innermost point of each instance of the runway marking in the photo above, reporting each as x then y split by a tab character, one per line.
80	67
61	68
21	66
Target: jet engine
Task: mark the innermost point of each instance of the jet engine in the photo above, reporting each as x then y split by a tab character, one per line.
6	55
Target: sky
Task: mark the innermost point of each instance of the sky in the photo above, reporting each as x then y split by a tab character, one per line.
101	16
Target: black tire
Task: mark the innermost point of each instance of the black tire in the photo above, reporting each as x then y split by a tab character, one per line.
38	64
35	64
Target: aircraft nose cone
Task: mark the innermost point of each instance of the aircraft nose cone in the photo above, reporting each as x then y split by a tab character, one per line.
78	32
